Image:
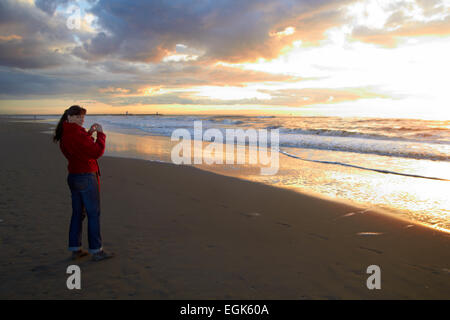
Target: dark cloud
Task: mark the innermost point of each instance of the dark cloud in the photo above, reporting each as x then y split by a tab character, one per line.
147	31
41	57
15	83
112	77
30	54
29	38
187	75
228	30
50	6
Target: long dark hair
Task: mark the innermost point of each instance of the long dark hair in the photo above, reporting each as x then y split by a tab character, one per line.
72	111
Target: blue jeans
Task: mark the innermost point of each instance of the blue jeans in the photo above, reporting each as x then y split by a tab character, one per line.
85	198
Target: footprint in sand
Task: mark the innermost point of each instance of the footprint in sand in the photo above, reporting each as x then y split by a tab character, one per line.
373	250
251	214
42	268
284	224
350	214
369	233
318	236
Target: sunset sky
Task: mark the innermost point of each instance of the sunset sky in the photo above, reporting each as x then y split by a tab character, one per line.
377	58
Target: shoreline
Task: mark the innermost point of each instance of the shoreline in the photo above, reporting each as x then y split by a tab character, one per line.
185	233
408	200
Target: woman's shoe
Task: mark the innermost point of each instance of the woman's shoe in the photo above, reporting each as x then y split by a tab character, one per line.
79	254
102	255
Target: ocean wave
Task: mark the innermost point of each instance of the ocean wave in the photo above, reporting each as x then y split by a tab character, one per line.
402	149
417	137
389	137
363	168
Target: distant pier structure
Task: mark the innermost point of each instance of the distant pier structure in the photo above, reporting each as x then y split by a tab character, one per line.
126	113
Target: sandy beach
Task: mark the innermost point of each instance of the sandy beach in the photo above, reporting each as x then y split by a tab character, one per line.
183	233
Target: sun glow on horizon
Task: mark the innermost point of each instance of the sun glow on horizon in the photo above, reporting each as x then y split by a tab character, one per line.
380	58
409	76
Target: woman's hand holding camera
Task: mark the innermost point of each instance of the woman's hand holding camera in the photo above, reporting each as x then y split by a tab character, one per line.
95	127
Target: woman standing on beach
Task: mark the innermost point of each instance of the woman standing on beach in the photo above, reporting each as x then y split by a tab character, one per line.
82	152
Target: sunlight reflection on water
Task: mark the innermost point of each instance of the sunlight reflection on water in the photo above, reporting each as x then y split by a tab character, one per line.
418	199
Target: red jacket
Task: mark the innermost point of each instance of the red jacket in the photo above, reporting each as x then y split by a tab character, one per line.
80	149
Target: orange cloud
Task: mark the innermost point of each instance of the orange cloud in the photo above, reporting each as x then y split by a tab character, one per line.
200	74
10	37
307	97
311	26
117	91
308	27
407	29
